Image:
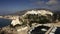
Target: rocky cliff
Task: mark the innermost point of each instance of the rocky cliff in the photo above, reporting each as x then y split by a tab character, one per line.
28	19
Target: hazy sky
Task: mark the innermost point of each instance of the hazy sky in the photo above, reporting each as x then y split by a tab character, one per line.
7	6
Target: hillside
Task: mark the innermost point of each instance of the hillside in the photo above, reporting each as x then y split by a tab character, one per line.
30	19
24	11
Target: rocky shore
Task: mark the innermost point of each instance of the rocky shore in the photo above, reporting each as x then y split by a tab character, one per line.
31	19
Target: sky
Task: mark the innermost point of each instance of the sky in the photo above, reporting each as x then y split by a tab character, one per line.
11	6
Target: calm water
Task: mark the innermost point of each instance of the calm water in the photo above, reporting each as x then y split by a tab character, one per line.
57	31
38	30
4	22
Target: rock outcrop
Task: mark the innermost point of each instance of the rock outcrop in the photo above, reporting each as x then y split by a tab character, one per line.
23	25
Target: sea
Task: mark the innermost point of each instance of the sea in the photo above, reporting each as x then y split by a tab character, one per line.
4	22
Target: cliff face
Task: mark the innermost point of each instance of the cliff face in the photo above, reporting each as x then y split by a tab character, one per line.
38	16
